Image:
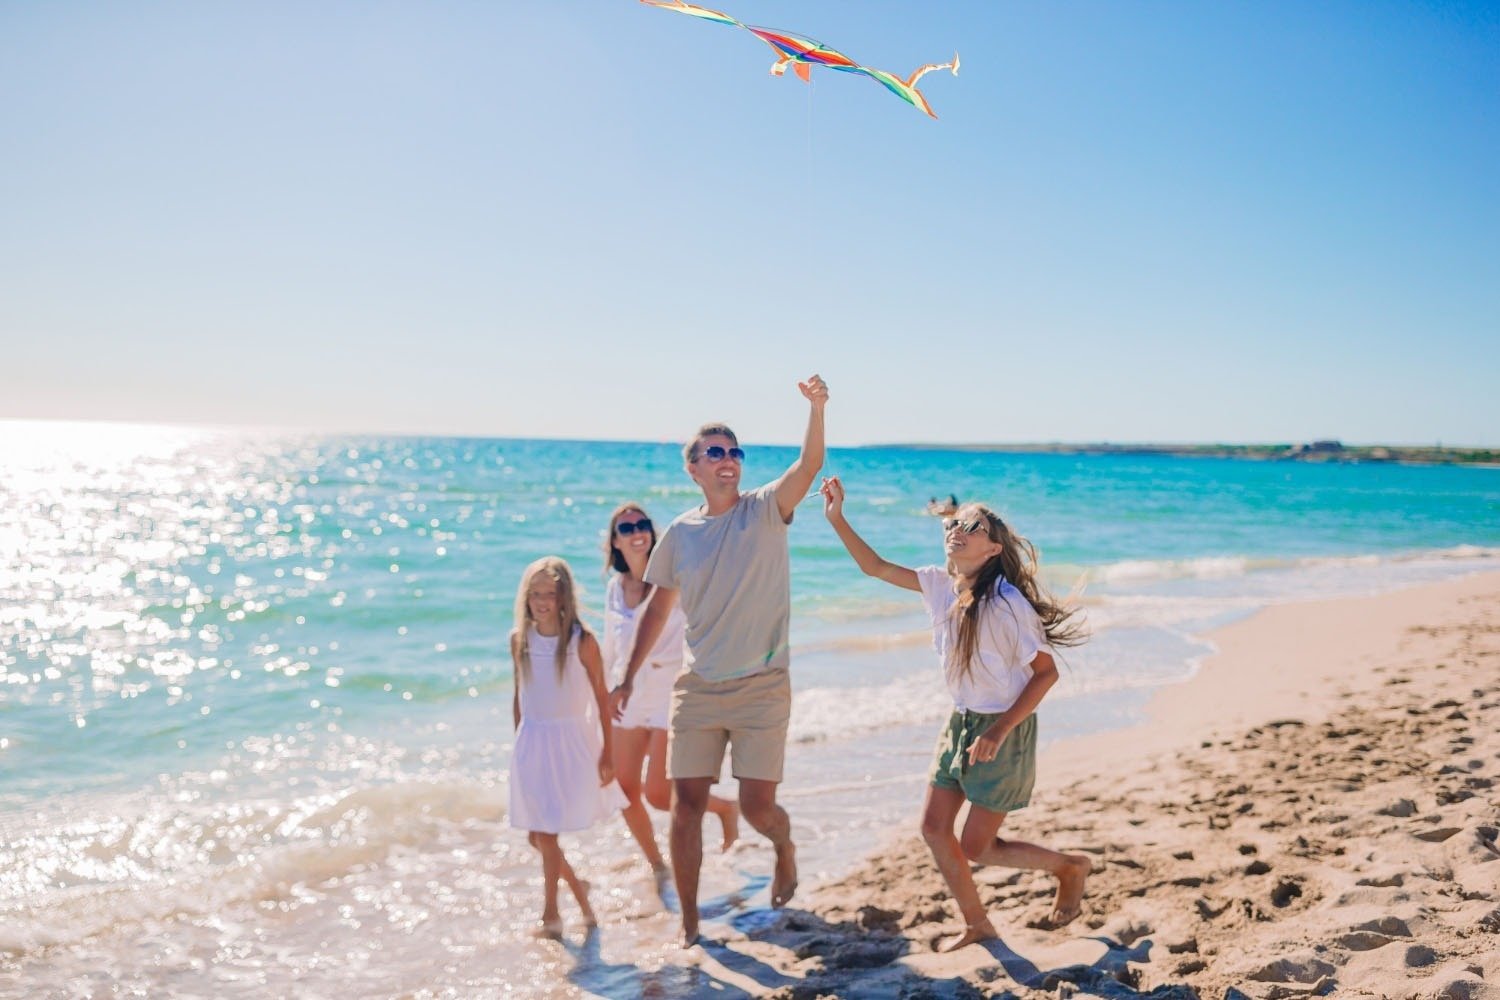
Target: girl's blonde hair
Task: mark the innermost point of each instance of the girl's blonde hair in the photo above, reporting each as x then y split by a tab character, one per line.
569	618
1016	563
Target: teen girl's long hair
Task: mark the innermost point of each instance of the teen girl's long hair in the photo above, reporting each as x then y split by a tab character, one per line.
569	618
1016	563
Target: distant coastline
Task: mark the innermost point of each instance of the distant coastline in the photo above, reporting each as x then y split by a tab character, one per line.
1310	451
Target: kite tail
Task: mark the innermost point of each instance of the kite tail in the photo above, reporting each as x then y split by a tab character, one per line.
693	10
911	81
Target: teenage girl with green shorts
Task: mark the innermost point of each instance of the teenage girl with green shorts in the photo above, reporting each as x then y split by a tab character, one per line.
994	628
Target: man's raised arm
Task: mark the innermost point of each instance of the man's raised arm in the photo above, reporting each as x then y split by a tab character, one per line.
792	487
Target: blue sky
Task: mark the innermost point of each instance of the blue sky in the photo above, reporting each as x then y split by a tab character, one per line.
1133	222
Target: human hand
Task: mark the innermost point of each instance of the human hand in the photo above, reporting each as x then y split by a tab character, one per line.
815	390
987	746
833	497
606	769
618	699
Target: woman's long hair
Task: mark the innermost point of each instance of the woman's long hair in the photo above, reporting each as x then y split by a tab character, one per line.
569	619
614	559
1016	563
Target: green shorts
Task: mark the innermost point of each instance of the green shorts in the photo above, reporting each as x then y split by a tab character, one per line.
1001	785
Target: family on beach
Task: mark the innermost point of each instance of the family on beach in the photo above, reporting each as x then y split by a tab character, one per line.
696	636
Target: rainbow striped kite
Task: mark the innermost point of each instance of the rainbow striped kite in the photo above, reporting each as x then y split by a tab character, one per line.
802	54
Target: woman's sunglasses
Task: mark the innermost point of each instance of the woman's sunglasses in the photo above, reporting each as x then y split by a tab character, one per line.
631	527
714	453
962	527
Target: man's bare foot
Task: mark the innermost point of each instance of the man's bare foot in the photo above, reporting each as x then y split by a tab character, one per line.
1069	902
784	883
550	929
730	820
973	934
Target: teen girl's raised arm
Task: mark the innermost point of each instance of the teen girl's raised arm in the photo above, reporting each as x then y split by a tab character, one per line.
866	558
593	662
515	682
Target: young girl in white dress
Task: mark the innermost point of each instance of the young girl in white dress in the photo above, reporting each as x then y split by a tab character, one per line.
561	770
993	627
640	736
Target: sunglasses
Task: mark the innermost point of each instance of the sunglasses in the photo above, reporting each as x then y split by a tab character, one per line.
962	527
631	527
714	453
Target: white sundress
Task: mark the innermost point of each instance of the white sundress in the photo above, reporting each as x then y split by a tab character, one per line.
554	768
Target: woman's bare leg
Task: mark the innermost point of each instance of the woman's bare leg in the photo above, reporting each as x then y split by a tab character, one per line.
630	749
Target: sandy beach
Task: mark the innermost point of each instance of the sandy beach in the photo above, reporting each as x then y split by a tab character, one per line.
1314	813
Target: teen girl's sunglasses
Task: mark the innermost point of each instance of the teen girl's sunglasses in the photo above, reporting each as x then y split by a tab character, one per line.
627	528
714	453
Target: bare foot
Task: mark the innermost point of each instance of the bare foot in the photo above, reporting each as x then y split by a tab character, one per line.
1069	902
784	884
550	929
690	935
730	819
589	920
973	934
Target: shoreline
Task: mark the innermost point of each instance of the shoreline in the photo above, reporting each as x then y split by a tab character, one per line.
1316	453
1325	825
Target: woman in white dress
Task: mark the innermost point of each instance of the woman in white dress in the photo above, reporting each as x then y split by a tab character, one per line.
640	737
561	769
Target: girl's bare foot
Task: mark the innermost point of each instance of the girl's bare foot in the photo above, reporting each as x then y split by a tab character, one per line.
1069	902
663	878
730	819
973	933
549	928
589	920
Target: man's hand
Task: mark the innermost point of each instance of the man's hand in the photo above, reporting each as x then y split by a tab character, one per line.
815	390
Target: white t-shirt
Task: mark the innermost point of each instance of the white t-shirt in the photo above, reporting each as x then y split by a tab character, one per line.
1010	637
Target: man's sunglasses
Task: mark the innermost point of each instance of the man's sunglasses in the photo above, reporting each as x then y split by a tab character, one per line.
962	527
714	453
631	527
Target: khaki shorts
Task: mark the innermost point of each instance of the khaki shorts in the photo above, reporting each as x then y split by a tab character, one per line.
750	714
1001	785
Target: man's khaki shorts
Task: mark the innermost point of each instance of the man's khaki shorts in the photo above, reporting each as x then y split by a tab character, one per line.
750	714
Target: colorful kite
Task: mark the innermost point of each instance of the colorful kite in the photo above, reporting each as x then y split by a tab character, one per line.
802	54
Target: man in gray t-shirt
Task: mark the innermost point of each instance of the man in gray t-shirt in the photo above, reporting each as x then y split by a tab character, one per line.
726	561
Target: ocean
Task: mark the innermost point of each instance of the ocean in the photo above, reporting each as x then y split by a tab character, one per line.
255	715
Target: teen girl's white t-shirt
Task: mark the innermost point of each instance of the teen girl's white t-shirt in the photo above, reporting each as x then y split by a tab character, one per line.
1010	637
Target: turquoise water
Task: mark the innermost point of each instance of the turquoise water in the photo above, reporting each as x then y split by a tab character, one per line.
219	648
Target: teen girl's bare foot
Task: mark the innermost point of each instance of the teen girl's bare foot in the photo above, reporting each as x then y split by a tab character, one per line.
973	934
730	820
1069	902
784	884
